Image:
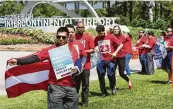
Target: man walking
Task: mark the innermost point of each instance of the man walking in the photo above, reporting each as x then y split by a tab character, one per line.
88	44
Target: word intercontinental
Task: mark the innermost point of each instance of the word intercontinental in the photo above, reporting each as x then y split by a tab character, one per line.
43	22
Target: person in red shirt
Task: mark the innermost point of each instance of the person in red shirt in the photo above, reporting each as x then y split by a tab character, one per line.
120	57
148	53
168	59
128	49
88	44
106	44
61	93
142	40
77	44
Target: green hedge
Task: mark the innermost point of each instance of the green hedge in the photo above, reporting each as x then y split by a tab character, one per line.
41	37
13	41
35	34
134	32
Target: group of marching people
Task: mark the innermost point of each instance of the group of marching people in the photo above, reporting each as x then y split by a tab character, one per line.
114	48
148	51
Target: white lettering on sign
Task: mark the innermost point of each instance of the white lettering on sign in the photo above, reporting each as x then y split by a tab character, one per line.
29	21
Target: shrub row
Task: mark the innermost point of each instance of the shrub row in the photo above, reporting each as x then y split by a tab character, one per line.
32	33
38	35
14	41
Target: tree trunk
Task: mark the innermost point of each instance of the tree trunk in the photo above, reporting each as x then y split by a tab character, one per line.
156	12
108	9
161	10
130	10
150	6
77	7
124	8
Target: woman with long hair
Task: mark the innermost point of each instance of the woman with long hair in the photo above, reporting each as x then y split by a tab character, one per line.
120	57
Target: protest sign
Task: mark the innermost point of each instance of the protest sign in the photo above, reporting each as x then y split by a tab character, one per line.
61	60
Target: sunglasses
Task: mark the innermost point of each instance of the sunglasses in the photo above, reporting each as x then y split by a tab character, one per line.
71	31
59	37
80	27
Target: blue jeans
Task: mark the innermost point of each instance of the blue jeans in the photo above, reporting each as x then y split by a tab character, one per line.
143	61
127	60
168	60
103	65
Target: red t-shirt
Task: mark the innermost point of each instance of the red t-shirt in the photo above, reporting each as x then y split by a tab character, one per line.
107	44
66	81
168	40
142	41
88	43
128	45
79	48
151	42
170	43
122	51
167	37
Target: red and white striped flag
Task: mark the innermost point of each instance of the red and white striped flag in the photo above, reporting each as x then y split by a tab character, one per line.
21	79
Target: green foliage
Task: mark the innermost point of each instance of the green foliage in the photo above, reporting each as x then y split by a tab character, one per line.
14	41
92	32
41	37
46	10
142	23
148	92
160	24
135	23
101	12
10	7
139	23
123	21
138	11
134	32
34	34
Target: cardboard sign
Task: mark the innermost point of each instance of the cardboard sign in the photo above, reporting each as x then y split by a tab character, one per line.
61	60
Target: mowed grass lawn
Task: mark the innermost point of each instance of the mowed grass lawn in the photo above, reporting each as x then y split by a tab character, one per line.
149	92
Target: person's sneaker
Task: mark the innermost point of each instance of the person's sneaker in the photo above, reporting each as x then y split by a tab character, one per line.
104	95
169	82
114	91
84	104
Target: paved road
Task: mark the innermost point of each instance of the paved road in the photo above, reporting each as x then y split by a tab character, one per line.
5	55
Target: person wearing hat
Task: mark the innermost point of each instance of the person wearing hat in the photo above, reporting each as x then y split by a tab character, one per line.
141	33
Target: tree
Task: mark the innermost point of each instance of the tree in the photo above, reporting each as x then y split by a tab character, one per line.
10	7
46	10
